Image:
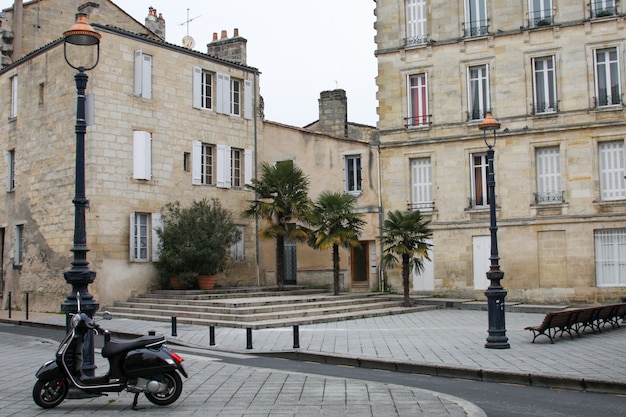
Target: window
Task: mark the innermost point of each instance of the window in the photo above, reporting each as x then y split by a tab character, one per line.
608	90
143	236
186	161
610	257
415	22
18	255
11	170
539	13
353	174
203	169
476	18
478	92
421	184
202	89
14	85
235	97
602	8
612	182
237	249
479	167
418	101
232	94
544	85
142	155
548	175
236	155
143	75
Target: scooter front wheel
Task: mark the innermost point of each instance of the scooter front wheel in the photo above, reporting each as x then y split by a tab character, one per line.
174	389
50	393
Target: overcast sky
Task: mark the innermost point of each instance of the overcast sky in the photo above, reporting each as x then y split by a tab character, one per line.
300	47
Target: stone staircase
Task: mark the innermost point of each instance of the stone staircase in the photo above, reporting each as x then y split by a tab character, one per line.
259	308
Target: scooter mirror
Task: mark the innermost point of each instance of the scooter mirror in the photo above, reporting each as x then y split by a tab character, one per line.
107	315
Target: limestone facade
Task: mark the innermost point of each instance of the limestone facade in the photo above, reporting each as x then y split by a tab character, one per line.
554	78
144	147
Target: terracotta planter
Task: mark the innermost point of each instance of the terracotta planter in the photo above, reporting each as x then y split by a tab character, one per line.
175	283
206	282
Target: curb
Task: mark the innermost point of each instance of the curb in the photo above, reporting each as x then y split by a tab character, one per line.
475	374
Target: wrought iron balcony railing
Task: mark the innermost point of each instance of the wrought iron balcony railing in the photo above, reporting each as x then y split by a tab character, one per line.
551	197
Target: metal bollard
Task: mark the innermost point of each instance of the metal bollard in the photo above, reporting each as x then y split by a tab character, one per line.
249	338
296	336
211	335
27	305
9	304
174	326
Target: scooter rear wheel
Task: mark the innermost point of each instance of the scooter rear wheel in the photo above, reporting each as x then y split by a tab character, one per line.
174	389
50	393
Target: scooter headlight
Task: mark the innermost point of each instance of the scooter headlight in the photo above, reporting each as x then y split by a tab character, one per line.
75	320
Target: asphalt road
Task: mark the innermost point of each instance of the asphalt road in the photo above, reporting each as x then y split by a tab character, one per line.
497	400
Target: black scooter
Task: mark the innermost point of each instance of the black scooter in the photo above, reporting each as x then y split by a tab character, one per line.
141	365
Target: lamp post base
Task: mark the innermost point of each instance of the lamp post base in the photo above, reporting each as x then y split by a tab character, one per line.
497	329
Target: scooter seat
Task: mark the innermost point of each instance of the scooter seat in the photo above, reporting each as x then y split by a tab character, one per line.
116	346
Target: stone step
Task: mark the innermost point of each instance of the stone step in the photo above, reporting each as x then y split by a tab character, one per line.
249	306
247	316
259	298
261	324
225	293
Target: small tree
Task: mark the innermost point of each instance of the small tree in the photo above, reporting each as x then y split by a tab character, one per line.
281	199
335	224
195	239
405	234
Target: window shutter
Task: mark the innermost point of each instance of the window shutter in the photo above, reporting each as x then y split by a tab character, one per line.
132	236
196	163
247	97
138	72
197	87
223	94
14	96
157	223
223	166
422	181
612	182
142	155
9	158
146	77
247	160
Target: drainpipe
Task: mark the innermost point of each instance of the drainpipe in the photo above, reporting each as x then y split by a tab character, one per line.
256	218
381	216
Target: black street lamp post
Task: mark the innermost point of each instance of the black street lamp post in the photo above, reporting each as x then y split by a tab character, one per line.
495	293
80	276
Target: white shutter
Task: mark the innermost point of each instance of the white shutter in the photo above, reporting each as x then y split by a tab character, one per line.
142	155
132	236
422	182
157	223
196	163
224	179
612	182
247	167
146	77
138	72
14	95
197	87
548	170
247	100
223	94
9	158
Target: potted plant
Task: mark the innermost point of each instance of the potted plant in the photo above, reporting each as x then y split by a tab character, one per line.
195	241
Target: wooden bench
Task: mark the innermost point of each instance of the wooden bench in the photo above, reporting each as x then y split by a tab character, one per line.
578	319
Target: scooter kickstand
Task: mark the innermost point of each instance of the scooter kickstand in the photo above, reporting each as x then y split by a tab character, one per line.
134	407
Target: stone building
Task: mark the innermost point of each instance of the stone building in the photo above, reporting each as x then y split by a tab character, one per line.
333	161
552	73
167	123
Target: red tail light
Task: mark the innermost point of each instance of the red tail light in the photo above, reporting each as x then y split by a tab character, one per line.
177	358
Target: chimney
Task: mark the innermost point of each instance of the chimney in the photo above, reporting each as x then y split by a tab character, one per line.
230	49
18	29
334	112
155	24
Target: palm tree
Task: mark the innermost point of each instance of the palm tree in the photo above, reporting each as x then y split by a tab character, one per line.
335	224
405	234
281	199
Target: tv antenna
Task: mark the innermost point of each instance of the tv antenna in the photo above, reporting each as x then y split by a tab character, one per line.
186	22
